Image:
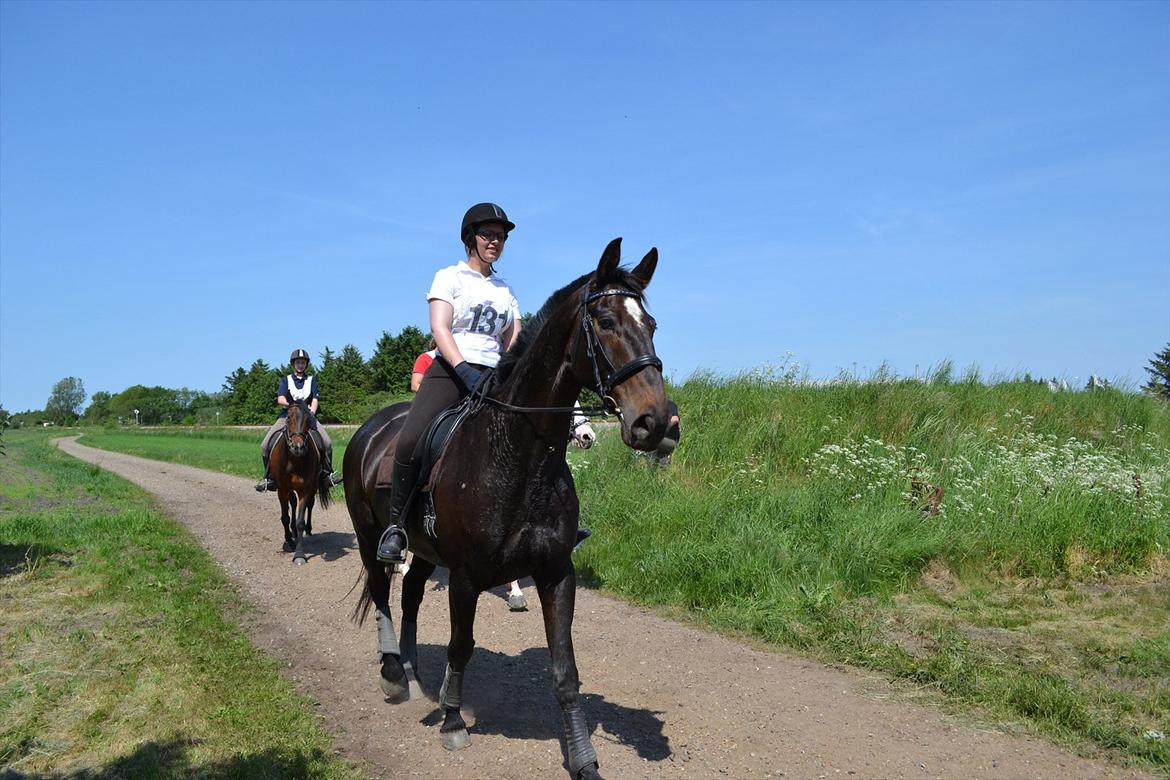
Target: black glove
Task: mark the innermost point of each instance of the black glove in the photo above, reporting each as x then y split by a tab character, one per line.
469	375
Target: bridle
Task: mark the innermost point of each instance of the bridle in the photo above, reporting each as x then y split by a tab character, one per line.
288	434
594	349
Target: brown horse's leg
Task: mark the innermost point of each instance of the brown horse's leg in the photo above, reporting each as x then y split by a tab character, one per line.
462	597
303	512
286	518
557	597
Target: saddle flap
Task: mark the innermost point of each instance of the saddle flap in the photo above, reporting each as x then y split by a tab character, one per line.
430	447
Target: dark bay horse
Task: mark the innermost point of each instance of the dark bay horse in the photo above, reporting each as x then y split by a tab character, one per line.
295	464
503	497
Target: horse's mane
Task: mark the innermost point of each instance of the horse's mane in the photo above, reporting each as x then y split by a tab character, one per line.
510	359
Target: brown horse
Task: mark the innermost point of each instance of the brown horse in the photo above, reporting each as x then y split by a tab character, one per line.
295	464
503	500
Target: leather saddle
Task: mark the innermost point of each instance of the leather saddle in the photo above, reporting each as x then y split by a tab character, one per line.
430	448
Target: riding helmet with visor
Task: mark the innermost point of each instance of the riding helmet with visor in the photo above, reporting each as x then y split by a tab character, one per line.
480	214
298	353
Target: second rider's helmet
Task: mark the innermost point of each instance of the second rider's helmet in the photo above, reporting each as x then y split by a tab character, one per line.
478	215
298	353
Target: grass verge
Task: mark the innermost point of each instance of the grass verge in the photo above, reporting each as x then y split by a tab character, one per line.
119	656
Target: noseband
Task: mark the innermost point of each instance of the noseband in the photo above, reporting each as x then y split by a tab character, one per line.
594	348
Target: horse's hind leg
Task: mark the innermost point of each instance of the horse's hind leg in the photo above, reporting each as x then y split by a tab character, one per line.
557	596
413	586
462	599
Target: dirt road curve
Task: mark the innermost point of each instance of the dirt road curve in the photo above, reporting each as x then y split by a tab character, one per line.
665	700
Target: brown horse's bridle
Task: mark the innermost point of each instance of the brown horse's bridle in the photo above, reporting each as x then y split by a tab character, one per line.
594	348
288	435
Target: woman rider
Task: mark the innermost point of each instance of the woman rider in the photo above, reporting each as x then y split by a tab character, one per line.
474	319
297	386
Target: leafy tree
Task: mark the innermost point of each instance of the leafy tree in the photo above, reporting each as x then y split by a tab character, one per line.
345	380
98	410
155	405
65	400
248	397
394	357
1159	371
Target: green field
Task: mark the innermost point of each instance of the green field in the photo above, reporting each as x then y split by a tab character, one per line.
120	655
1035	595
228	450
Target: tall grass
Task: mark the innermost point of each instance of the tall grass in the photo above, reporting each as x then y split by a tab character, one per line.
793	488
790	512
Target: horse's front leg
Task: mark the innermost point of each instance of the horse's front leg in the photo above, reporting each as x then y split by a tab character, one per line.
558	594
303	512
286	519
462	597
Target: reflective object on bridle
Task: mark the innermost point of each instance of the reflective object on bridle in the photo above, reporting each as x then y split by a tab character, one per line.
593	348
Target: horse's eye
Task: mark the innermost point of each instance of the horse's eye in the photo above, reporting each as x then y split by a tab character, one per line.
607	322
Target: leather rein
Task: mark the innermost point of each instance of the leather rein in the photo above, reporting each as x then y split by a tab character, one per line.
595	349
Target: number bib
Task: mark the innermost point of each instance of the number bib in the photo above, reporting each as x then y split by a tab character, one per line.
483	310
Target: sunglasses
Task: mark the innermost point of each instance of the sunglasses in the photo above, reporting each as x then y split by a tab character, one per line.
492	235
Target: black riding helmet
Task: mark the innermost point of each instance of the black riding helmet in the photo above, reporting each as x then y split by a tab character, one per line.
478	215
298	353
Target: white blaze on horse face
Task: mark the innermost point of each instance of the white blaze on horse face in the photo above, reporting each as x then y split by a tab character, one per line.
635	309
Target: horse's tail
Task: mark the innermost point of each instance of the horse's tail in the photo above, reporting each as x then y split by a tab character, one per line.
323	485
365	600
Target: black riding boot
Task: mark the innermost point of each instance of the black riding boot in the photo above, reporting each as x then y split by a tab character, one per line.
327	468
267	483
392	545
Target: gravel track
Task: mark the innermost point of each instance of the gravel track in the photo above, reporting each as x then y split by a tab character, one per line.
665	700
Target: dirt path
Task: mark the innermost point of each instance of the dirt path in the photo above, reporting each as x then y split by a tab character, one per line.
665	700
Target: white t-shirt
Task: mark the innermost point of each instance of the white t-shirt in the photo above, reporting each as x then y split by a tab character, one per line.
484	308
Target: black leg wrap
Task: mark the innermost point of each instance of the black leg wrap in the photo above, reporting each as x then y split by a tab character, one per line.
451	694
407	640
580	749
387	643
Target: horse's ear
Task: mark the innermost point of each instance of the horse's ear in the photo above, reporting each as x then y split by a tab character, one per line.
609	260
646	268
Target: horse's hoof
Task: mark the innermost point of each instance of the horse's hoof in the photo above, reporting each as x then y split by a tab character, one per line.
589	772
396	692
395	681
456	740
300	560
287	547
517	602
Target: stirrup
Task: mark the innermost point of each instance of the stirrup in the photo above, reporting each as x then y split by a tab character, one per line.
332	477
582	535
265	485
387	556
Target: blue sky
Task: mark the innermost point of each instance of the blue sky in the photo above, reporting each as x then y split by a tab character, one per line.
186	187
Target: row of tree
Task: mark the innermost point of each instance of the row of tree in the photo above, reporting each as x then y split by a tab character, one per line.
351	388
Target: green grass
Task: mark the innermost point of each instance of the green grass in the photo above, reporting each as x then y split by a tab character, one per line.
1038	598
118	651
227	450
788	514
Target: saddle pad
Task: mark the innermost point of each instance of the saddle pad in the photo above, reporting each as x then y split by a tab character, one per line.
431	446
